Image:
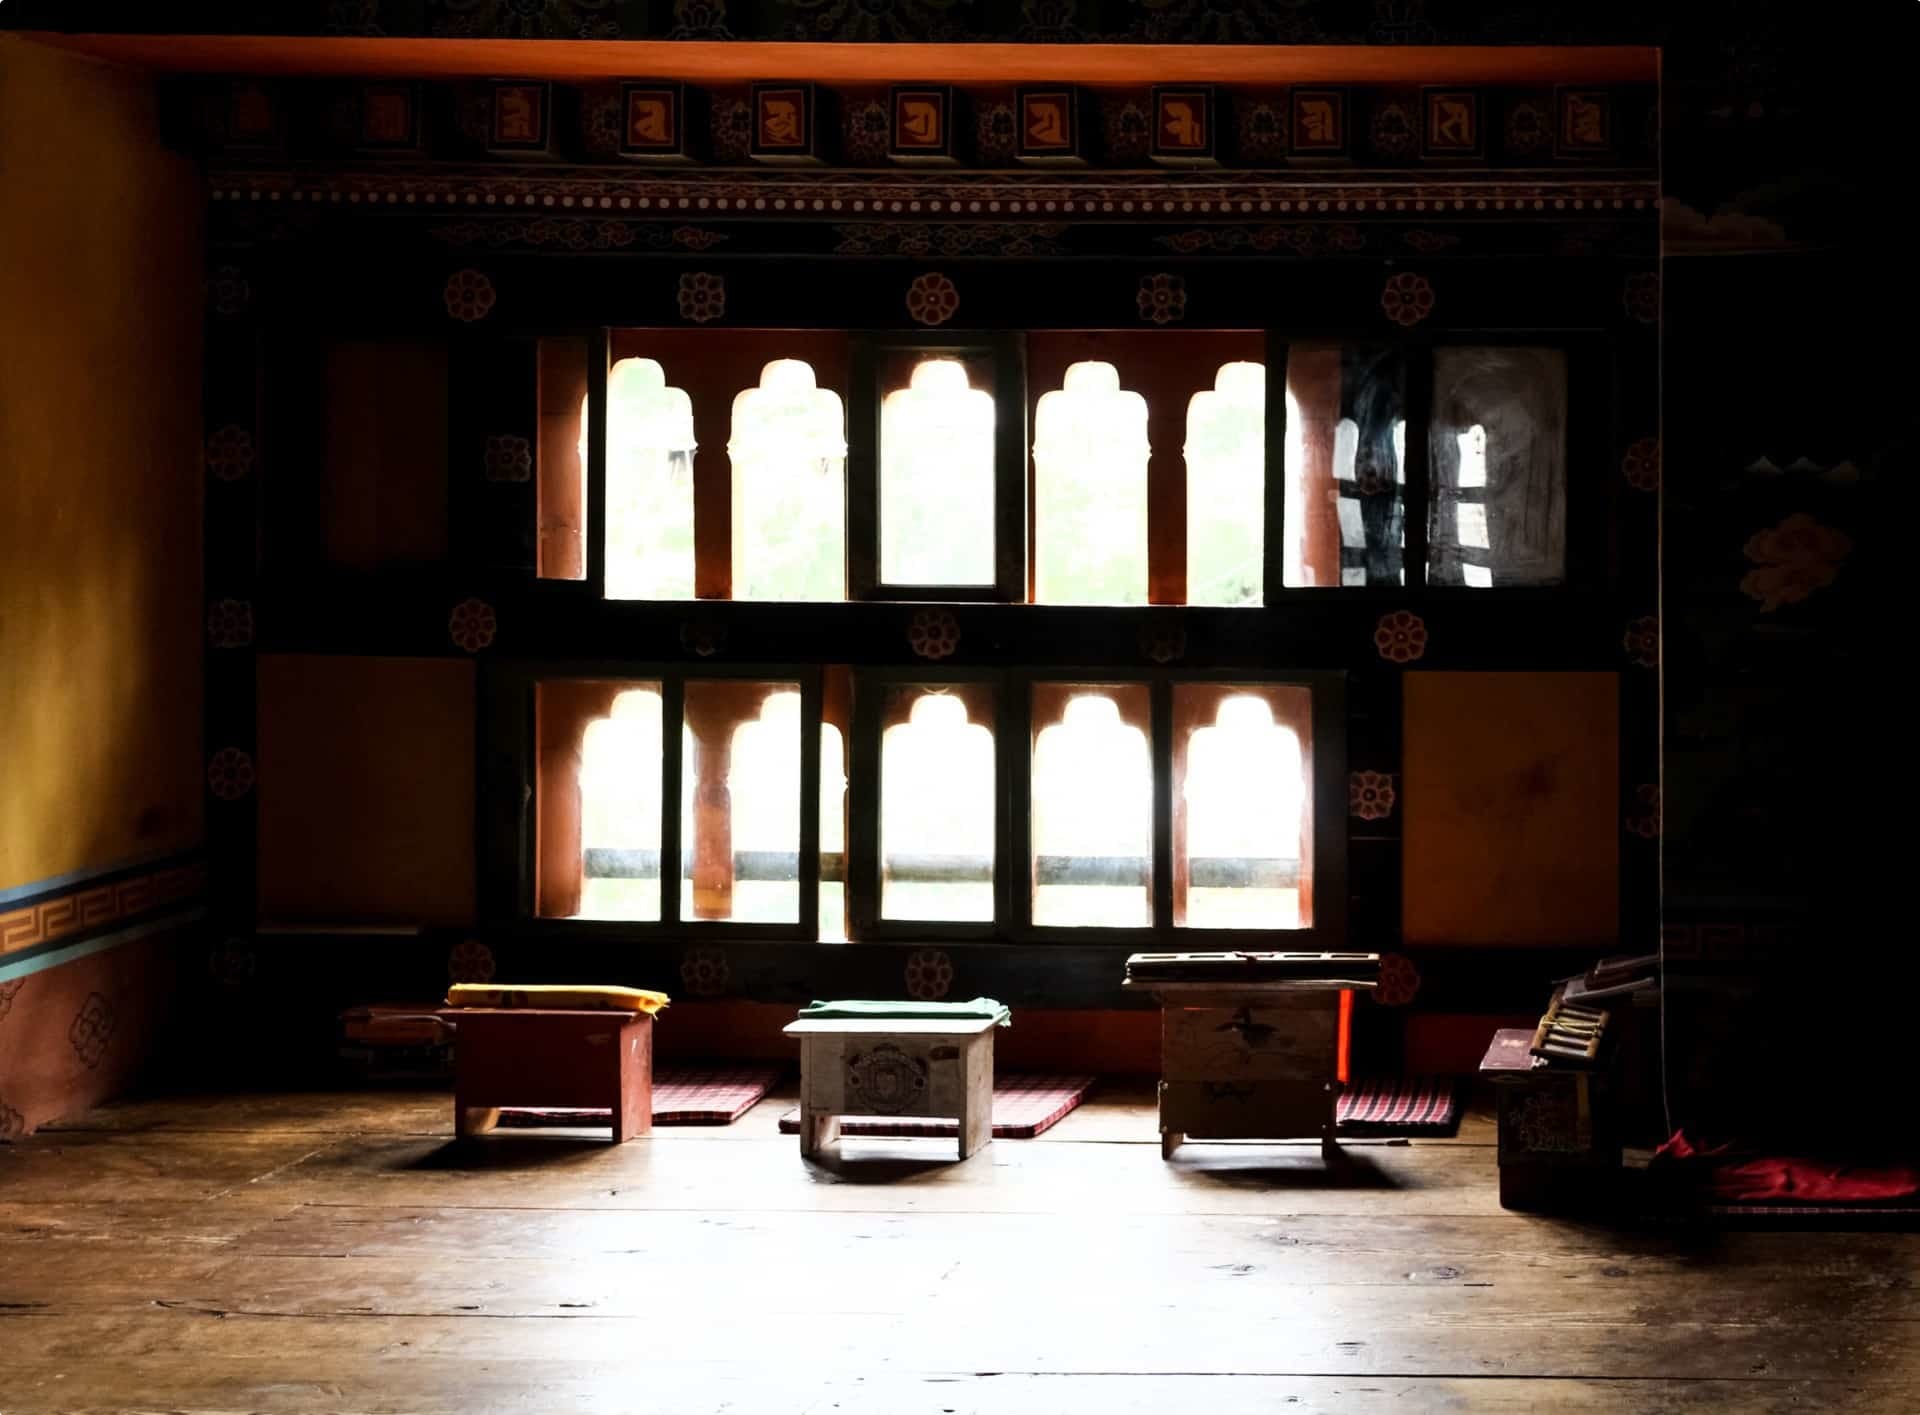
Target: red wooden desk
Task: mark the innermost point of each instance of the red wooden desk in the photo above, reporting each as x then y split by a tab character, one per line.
525	1056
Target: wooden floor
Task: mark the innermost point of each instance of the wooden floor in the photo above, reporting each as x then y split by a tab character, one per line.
340	1253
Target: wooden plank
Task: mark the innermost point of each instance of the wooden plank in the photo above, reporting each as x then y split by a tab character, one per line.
1222	1277
1264	1042
77	1166
761	1174
1337	1250
1381	1248
437	1385
945	1337
242	1112
43	1230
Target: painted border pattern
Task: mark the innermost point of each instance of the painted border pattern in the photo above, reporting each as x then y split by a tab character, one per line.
91	908
882	196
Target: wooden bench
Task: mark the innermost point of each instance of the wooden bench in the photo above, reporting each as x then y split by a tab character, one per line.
894	1067
534	1057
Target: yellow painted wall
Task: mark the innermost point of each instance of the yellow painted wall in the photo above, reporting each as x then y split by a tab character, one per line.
100	634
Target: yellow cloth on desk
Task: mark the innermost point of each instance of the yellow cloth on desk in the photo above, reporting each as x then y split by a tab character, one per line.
560	997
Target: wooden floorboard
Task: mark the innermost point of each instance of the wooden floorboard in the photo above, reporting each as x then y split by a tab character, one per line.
341	1253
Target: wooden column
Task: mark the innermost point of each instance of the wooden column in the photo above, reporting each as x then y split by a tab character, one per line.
712	812
1313	494
562	710
562	469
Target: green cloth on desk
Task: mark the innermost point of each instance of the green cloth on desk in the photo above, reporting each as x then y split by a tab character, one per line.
980	1007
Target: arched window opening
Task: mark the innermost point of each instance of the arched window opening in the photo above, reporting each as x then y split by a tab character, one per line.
937	794
1226	487
1090	490
788	447
620	771
1092	806
650	446
937	479
1242	823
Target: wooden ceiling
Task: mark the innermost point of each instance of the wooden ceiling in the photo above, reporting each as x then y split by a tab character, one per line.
737	61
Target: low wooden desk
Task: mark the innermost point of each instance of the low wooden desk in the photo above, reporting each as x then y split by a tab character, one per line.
894	1066
527	1056
1249	1060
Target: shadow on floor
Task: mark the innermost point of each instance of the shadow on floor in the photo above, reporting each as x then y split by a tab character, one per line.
1240	1167
499	1150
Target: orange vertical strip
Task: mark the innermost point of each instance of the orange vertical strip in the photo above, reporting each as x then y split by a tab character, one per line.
1345	1043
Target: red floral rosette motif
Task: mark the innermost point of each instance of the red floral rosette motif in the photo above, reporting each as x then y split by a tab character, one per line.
932	299
1401	637
929	974
1407	298
1399	981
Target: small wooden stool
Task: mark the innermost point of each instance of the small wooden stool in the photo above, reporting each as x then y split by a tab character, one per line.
894	1066
525	1056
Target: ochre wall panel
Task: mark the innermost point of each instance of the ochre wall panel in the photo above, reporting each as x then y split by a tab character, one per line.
1512	808
385	454
100	620
366	789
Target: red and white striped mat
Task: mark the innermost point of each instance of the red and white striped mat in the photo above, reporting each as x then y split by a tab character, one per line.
682	1095
1413	1105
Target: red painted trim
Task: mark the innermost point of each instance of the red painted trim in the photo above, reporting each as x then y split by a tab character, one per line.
736	61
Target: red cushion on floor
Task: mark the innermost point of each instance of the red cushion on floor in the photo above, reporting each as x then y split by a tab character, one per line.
1411	1106
682	1095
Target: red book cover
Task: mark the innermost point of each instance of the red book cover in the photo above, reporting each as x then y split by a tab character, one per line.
1509	1052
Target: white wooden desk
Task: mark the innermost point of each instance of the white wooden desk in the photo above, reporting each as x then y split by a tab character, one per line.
894	1066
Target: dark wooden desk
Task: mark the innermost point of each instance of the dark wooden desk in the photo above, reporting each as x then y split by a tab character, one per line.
524	1056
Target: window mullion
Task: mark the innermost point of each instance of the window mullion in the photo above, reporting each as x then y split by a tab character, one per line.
597	365
863	475
1012	442
1273	546
862	868
1162	806
1016	776
672	740
809	872
1419	444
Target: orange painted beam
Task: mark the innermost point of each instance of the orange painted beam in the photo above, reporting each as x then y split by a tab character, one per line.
707	61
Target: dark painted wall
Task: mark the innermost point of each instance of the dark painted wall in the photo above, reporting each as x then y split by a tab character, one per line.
1788	423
